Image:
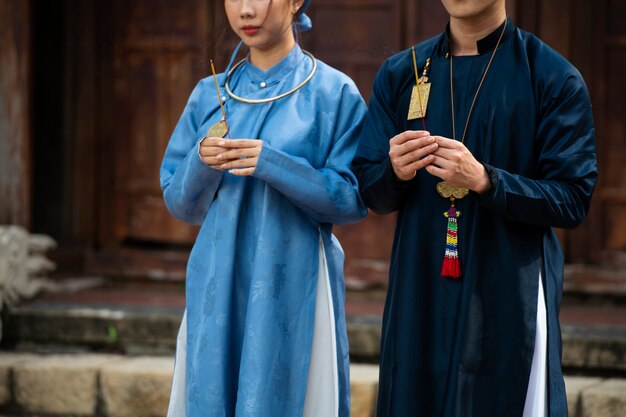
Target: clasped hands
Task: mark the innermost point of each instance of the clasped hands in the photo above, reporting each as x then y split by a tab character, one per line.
237	156
444	158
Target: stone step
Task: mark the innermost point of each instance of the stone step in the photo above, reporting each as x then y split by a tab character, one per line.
106	385
115	385
588	347
598	284
594	284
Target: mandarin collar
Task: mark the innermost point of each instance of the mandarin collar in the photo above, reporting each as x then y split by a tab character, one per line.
278	71
484	45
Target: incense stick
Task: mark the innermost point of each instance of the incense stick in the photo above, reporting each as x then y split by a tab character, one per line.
217	88
219	96
417	85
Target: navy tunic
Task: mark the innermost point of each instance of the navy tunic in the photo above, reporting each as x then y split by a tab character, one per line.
464	347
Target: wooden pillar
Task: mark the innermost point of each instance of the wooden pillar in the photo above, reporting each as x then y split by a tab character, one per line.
14	113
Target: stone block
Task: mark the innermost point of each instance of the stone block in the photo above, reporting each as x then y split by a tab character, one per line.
597	348
137	387
5	386
59	384
364	336
363	390
574	386
7	362
606	399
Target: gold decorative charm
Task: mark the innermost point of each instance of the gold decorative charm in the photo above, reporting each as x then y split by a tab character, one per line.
420	93
218	130
450	191
415	110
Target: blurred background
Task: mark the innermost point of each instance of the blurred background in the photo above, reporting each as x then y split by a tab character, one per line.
89	94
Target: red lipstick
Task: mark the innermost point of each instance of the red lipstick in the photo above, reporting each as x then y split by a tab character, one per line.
250	30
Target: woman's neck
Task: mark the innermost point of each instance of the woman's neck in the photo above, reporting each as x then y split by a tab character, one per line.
265	59
466	32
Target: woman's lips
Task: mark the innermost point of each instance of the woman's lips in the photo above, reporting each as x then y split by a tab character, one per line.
250	30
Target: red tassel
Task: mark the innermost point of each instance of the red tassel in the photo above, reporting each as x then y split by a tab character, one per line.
451	266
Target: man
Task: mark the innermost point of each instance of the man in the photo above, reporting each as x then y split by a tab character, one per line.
505	152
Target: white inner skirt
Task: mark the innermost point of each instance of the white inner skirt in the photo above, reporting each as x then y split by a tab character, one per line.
322	393
322	390
536	396
177	406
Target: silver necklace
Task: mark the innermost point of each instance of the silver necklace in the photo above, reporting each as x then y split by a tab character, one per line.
269	99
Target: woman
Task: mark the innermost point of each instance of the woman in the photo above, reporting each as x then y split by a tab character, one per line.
264	331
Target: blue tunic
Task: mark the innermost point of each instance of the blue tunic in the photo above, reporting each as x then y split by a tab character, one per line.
464	347
252	273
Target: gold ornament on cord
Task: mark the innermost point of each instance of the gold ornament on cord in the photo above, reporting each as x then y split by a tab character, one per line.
451	265
219	129
450	191
444	186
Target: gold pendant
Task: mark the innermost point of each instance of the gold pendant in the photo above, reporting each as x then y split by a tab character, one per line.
218	130
415	110
450	191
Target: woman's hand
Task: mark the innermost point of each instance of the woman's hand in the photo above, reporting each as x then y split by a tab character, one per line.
240	156
209	149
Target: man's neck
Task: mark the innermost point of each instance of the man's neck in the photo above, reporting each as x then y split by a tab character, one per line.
466	32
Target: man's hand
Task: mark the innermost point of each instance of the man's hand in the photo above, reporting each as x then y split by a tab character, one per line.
411	151
455	164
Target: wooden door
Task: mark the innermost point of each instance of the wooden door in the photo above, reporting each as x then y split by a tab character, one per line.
159	52
15	141
356	36
158	49
592	35
608	88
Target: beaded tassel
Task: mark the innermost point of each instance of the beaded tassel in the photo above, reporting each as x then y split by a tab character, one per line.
451	266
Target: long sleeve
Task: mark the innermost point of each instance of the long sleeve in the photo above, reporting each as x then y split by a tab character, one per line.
380	190
189	186
329	194
567	168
